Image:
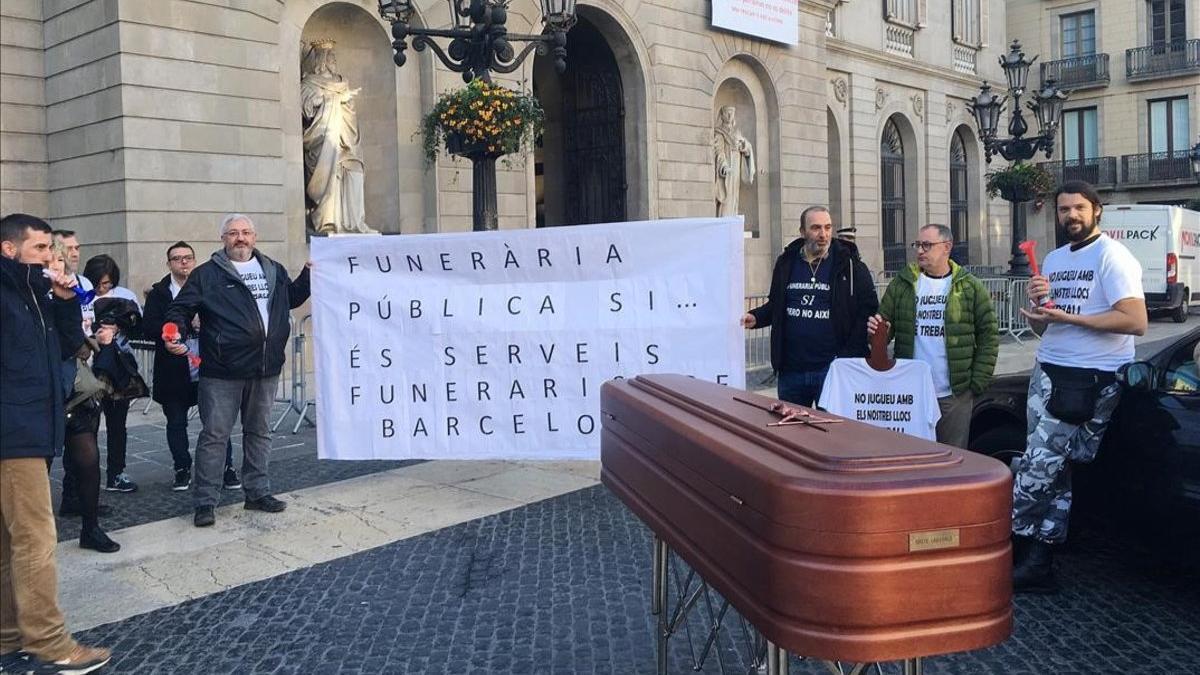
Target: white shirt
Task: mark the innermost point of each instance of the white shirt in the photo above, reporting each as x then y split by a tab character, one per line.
125	294
252	275
174	288
901	399
930	345
1088	282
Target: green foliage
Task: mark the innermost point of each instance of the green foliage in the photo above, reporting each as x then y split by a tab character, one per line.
482	117
1021	182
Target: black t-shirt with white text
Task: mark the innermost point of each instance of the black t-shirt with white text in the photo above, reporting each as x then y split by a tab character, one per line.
808	339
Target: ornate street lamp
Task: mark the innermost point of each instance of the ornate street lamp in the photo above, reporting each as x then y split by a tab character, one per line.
1046	107
1195	155
480	44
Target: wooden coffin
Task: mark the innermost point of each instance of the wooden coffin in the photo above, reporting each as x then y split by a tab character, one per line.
856	544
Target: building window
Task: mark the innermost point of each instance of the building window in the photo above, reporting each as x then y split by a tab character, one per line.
1081	137
891	165
901	11
965	18
1169	125
959	199
1167	21
1078	34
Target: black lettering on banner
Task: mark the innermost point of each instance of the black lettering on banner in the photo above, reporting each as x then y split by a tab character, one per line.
379	262
355	308
419	428
548	388
515	298
483	394
650	351
354	354
482	429
518	424
550	422
452	426
516	390
386	355
590	424
388	430
481	355
351	260
860	397
354	395
581	352
414	309
615	299
446	263
446	308
510	260
547	355
514	354
384	307
477	261
420	391
721	379
547	306
414	263
544	257
450	360
387	396
613	254
450	392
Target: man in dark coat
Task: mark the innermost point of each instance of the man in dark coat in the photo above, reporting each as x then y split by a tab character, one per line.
175	386
40	326
243	299
820	298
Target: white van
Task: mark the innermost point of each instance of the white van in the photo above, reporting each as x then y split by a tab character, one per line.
1166	241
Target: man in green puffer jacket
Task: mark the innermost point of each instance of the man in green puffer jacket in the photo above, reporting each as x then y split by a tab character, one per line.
941	314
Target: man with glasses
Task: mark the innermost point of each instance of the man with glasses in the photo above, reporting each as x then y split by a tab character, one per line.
243	299
175	379
942	315
820	298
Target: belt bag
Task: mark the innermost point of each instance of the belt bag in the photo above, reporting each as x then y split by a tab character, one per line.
1074	391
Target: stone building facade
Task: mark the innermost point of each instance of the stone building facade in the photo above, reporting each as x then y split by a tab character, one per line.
141	122
1133	73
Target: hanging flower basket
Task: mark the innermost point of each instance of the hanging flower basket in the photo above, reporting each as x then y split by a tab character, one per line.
1021	182
482	119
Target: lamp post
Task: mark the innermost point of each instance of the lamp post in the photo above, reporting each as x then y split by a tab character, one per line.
480	44
1195	156
1046	107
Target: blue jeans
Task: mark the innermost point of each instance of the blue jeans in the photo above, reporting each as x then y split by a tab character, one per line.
801	387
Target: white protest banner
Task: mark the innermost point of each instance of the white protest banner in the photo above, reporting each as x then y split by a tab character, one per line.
493	345
775	20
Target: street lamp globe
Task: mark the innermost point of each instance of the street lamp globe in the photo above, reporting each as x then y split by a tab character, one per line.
396	11
1047	105
986	108
1016	68
1195	154
558	14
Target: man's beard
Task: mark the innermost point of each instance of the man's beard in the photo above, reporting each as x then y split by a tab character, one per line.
1086	231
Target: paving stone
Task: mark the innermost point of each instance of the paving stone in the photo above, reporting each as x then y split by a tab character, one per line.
562	586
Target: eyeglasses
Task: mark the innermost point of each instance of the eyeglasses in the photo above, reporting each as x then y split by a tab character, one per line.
924	246
181	258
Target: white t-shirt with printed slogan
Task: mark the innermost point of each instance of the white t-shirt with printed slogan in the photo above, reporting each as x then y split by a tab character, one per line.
252	275
930	345
901	398
1087	282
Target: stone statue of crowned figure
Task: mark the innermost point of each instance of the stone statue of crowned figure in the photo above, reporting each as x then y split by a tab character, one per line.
734	161
333	168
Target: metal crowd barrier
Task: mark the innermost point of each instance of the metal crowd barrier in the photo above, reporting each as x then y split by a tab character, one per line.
143	353
295	393
758	340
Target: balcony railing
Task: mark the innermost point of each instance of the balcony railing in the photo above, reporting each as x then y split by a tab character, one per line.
1079	72
1099	171
1163	60
964	59
1156	167
899	40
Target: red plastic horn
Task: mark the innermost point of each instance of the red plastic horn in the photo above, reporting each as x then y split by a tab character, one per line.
1029	248
170	332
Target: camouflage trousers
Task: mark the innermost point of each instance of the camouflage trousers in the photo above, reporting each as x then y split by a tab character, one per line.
1042	485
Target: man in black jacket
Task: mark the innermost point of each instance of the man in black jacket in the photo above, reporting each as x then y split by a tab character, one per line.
243	299
40	326
820	298
175	388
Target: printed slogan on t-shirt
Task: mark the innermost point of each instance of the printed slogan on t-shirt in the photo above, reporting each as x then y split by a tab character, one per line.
494	345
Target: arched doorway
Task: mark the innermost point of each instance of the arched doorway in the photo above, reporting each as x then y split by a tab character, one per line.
960	202
580	165
893	196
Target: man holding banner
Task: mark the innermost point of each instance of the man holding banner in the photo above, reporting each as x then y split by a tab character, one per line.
821	296
243	299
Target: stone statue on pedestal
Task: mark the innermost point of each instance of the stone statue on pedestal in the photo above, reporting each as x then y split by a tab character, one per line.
735	162
333	169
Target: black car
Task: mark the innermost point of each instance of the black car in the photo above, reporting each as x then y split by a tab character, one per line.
1149	462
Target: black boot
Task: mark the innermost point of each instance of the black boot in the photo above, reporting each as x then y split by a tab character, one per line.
1020	549
95	538
1035	572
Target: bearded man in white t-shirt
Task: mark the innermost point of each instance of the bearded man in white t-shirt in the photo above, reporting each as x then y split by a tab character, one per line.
243	299
1095	287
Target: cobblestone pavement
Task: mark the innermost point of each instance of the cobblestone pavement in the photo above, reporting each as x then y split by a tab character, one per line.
294	465
562	586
